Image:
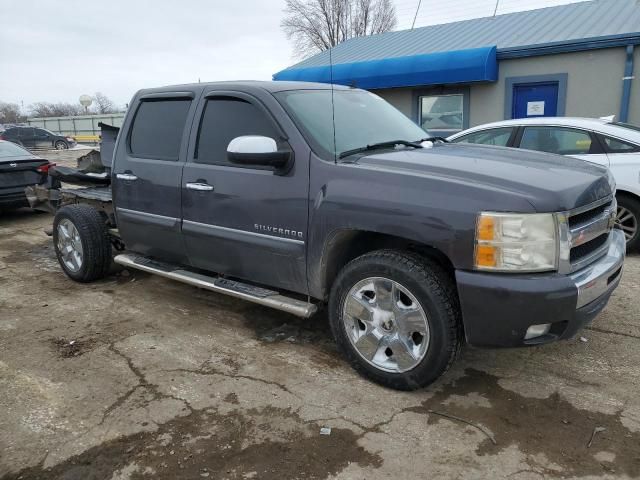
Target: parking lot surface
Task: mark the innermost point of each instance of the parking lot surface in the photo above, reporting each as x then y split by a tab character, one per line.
138	377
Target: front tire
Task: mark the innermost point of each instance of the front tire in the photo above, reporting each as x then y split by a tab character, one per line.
396	318
628	220
60	145
81	242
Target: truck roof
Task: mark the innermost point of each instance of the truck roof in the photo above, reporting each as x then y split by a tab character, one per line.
269	86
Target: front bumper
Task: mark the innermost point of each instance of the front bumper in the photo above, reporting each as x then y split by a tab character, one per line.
497	309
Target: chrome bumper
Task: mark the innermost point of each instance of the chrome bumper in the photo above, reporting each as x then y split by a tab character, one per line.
602	276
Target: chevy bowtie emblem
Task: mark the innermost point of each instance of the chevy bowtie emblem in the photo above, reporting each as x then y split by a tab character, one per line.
13	164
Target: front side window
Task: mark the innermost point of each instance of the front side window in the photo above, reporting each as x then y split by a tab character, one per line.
563	141
495	136
614	145
361	118
224	119
442	114
158	128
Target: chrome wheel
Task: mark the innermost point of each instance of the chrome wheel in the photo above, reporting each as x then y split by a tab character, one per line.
386	324
61	146
70	245
627	222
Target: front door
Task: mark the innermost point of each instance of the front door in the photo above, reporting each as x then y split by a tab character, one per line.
535	100
147	174
244	222
42	139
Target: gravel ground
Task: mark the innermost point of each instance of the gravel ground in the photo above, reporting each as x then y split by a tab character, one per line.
138	377
68	158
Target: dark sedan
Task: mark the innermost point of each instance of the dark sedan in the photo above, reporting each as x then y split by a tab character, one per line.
37	138
19	169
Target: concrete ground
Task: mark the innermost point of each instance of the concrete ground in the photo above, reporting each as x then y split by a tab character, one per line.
139	377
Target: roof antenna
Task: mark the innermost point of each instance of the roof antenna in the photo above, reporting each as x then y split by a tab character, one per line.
416	15
333	108
495	10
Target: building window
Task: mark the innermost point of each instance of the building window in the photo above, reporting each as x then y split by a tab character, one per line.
442	115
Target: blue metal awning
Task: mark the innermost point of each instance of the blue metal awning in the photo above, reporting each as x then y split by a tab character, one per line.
460	66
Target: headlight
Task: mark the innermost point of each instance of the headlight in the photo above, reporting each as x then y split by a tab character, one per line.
516	242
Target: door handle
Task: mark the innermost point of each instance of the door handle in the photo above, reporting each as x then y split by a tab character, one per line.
201	187
126	176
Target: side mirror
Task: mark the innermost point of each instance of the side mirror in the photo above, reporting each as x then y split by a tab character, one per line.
259	151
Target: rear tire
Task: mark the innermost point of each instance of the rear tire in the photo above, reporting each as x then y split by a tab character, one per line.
409	344
81	242
628	220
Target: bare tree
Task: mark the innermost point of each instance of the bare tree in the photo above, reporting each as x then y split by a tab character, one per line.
10	113
46	109
317	25
102	103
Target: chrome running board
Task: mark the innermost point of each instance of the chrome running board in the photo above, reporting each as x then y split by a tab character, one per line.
244	291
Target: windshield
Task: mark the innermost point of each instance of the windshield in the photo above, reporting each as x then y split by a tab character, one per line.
8	149
361	119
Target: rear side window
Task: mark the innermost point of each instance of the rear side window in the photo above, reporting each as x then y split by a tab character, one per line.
24	132
563	141
613	145
224	119
158	128
494	136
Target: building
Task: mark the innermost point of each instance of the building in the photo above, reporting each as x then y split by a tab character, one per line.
569	60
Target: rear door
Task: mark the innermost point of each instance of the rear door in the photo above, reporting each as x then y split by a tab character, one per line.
27	137
624	162
147	173
241	221
42	139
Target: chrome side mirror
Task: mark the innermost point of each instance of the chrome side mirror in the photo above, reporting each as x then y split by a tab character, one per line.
257	150
252	144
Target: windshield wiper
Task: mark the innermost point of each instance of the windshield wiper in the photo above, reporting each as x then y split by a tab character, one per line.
434	139
380	145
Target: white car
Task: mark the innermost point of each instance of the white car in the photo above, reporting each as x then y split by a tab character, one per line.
604	141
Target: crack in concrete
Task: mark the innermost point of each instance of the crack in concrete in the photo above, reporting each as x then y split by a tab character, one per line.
143	383
611	332
212	371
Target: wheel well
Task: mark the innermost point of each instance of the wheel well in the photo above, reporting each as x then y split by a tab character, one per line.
350	244
625	193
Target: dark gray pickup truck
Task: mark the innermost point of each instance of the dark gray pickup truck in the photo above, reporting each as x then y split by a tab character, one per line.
296	195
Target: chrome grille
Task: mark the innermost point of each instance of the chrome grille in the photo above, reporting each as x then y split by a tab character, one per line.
587	233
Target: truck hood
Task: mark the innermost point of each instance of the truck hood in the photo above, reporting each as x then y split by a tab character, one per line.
549	182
